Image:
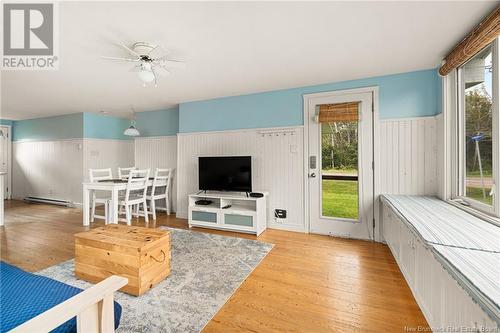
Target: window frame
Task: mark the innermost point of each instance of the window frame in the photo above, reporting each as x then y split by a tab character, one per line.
458	149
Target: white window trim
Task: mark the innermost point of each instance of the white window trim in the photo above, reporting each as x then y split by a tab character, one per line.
453	98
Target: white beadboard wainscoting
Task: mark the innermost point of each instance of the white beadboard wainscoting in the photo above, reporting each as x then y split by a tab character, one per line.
56	169
106	153
408	156
277	167
159	152
408	153
48	169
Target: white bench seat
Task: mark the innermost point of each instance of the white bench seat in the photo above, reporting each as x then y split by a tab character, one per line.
476	271
467	247
438	222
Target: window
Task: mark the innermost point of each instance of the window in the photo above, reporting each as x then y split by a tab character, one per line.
339	169
478	151
339	160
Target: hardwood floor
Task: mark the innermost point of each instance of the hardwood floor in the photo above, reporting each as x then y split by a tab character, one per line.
307	283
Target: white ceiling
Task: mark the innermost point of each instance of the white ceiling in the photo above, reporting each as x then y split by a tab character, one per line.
232	48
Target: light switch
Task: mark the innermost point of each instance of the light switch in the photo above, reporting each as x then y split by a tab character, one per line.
294	148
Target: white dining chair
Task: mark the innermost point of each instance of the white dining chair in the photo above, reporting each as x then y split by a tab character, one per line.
135	195
159	191
123	173
96	175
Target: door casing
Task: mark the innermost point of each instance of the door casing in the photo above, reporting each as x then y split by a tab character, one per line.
8	128
309	101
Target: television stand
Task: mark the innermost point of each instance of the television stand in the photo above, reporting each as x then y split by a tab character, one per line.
244	214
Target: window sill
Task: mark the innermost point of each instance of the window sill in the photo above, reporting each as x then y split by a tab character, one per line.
488	217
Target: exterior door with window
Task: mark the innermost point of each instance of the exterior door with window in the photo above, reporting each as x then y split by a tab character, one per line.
340	144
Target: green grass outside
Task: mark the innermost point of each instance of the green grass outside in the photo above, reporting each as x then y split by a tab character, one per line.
340	198
476	193
476	173
340	171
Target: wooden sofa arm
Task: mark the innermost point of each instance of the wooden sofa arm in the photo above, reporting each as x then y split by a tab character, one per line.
93	308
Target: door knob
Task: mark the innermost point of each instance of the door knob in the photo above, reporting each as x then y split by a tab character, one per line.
312	175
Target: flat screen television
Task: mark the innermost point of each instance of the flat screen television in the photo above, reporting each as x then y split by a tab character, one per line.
225	173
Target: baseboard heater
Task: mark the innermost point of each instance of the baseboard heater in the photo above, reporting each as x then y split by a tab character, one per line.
49	201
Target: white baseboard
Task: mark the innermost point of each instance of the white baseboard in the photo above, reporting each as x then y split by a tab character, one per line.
287	227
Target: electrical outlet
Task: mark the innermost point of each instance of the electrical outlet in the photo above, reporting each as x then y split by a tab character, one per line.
280	213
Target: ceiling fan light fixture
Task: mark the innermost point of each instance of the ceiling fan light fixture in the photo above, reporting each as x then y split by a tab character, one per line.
148	62
146	75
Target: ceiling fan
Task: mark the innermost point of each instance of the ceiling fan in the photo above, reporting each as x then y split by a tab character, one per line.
149	66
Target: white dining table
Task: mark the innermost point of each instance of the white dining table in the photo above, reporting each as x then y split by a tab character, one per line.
114	186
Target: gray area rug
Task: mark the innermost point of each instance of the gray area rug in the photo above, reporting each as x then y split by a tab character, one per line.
206	270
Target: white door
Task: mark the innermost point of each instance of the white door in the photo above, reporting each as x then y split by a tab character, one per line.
5	157
340	165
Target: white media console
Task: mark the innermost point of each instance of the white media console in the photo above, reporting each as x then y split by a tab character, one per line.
245	214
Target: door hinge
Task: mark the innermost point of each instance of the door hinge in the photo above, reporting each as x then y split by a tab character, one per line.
373	165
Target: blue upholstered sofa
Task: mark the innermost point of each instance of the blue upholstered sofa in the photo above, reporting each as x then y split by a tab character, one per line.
24	295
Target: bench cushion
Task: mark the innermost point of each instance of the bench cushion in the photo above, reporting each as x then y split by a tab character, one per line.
438	222
477	271
24	296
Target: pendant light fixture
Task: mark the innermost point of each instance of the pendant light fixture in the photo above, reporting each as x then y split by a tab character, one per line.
132	130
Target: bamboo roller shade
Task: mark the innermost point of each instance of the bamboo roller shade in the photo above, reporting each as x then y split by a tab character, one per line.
479	38
338	112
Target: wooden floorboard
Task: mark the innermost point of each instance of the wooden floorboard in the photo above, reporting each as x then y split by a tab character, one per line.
307	283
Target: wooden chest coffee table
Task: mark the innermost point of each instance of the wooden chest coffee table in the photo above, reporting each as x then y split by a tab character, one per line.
140	254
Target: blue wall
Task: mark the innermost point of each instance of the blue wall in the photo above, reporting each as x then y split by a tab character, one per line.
68	126
158	123
97	126
5	122
413	94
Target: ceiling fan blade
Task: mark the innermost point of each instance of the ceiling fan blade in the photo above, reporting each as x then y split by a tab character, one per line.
129	50
172	63
120	59
162	71
153	50
158	52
